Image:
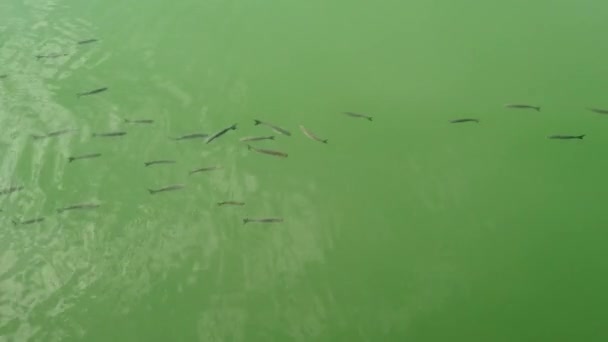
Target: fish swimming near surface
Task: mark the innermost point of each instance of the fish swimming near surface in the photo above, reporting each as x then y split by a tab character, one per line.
231	203
87	41
274	127
311	135
52	55
464	120
166	188
599	111
156	162
269	152
79	206
268	137
203	169
191	136
357	115
53	134
109	134
263	220
92	92
141	121
522	106
10	190
220	133
36	220
567	137
84	156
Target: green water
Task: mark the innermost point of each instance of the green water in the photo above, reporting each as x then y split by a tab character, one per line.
406	228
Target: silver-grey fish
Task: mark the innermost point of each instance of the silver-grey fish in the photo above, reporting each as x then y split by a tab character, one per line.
269	152
464	120
220	133
79	206
192	136
566	137
10	190
522	106
357	115
311	135
109	134
263	220
52	55
92	92
166	188
274	127
230	203
82	42
84	156
268	137
203	169
53	134
141	121
36	220
155	162
599	111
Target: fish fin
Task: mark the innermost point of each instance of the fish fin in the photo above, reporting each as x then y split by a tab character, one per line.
581	136
256	122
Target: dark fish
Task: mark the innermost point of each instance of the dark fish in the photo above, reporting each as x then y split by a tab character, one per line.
263	220
144	121
192	136
230	203
52	55
110	134
3	76
311	135
87	41
36	220
567	137
154	162
275	128
167	188
464	120
357	115
270	152
203	169
10	190
269	137
79	206
85	156
53	134
599	111
522	106
220	133
92	92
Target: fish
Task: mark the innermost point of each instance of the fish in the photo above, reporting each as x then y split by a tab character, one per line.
270	152
268	137
84	156
464	120
87	41
3	76
220	133
599	111
142	121
191	136
52	55
92	92
79	206
167	188
10	190
522	106
53	134
203	169
274	128
263	220
230	203
155	162
109	134
311	135
36	220
567	137
357	115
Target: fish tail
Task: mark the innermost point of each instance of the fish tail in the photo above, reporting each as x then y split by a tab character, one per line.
245	221
537	109
71	159
249	147
581	136
59	211
272	137
152	192
324	141
127	121
147	164
370	118
233	127
256	122
15	222
95	134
